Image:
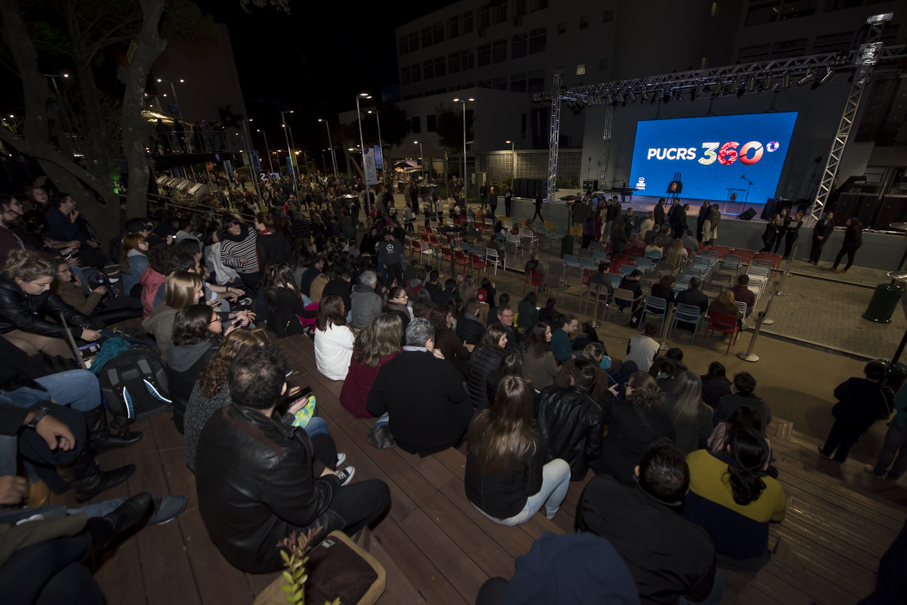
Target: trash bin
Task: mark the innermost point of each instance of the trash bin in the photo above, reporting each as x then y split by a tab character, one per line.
567	245
897	374
884	302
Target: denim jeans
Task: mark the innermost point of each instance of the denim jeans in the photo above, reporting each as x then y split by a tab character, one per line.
714	597
316	426
9	448
555	483
895	445
78	389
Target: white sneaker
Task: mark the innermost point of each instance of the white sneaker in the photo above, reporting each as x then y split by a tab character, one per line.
340	458
346	475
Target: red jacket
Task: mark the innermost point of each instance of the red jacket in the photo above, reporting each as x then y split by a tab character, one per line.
357	385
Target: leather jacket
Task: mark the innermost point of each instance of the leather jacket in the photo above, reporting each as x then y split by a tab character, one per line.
256	486
21	311
571	423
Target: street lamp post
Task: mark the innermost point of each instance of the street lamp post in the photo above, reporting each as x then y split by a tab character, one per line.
331	145
465	181
252	173
421	158
179	110
380	146
512	161
283	116
363	95
267	150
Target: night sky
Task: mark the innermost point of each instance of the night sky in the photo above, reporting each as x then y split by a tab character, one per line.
314	61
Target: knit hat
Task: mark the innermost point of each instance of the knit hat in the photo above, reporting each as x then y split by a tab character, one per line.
482	295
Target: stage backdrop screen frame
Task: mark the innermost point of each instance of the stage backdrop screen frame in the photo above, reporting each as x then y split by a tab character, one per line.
712	154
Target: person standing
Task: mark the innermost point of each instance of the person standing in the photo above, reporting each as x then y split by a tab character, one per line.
895	440
861	401
791	235
710	228
704	212
853	239
538	207
508	200
483	195
783	224
659	212
821	232
493	200
771	233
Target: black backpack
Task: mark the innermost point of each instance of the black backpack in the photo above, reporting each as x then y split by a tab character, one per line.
134	383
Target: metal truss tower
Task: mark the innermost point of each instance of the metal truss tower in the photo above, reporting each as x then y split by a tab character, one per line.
554	134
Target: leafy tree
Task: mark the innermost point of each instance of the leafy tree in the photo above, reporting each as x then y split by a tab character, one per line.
449	128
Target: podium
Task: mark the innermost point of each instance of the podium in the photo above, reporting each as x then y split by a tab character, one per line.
735	195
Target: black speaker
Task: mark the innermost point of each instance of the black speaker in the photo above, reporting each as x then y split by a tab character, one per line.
748	215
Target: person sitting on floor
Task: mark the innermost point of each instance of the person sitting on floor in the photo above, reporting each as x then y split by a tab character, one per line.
642	348
733	499
483	365
671	559
333	339
507	477
375	346
742	394
260	480
429	410
570	422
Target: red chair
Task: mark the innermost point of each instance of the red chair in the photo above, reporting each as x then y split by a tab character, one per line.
533	276
446	256
461	259
478	264
724	323
746	256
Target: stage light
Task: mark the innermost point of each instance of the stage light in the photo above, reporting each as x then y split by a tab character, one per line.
805	79
768	82
609	98
630	96
828	74
698	90
786	83
645	96
751	84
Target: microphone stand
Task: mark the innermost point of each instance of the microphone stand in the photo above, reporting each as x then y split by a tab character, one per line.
751	184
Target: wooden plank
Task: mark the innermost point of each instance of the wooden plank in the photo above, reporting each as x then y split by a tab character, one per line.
399	590
429	467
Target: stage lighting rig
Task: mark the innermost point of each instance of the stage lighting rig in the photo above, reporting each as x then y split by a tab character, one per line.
806	79
630	96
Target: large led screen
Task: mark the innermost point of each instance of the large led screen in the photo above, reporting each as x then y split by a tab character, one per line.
712	154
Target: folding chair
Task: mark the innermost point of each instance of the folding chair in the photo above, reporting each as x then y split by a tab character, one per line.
478	264
626	296
493	258
654	306
687	314
724	323
570	259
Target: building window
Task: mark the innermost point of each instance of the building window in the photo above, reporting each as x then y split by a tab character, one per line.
409	43
537	81
453	27
430	122
428	69
499	83
417	125
609	15
453	63
415	73
519	46
519	8
581	69
484	52
538	40
561	28
437	33
404	76
603	64
537	5
584	22
426	37
440	67
404	47
492	13
467	60
518	83
771	11
466	23
499	51
484	83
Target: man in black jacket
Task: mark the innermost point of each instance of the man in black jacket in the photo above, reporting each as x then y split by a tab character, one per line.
570	422
432	285
423	394
821	232
469	328
340	285
259	479
668	556
694	297
861	402
742	395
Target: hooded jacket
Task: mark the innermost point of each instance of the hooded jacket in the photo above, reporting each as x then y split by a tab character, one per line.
21	311
366	306
183	365
481	377
160	324
572	425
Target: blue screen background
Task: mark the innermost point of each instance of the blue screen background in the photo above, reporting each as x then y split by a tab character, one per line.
711	182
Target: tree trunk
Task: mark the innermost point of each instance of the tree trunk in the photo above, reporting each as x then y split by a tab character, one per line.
149	46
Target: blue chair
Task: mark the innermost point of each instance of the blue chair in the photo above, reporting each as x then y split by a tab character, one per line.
627	269
654	306
615	279
599	256
464	246
477	250
688	314
643	264
654	255
586	263
570	259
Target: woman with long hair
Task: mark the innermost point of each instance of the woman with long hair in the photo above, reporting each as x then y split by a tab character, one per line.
484	364
744	417
284	301
657	245
133	261
715	384
375	346
596	353
677	254
725	304
182	289
507	479
271	245
333	338
25	298
423	304
691	416
853	240
395	299
619	238
197	334
734	500
456	352
771	233
538	360
633	423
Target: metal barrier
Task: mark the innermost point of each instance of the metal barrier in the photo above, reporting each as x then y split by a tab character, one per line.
760	317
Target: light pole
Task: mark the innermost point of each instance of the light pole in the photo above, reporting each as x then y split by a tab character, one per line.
363	95
265	135
331	145
421	158
381	146
512	161
252	173
179	110
283	116
465	181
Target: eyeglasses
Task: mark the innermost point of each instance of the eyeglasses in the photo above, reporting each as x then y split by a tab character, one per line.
216	318
507	316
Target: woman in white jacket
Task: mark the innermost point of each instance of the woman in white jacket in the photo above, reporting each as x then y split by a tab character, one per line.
333	339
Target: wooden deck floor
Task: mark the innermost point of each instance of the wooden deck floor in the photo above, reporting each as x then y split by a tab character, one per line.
438	549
